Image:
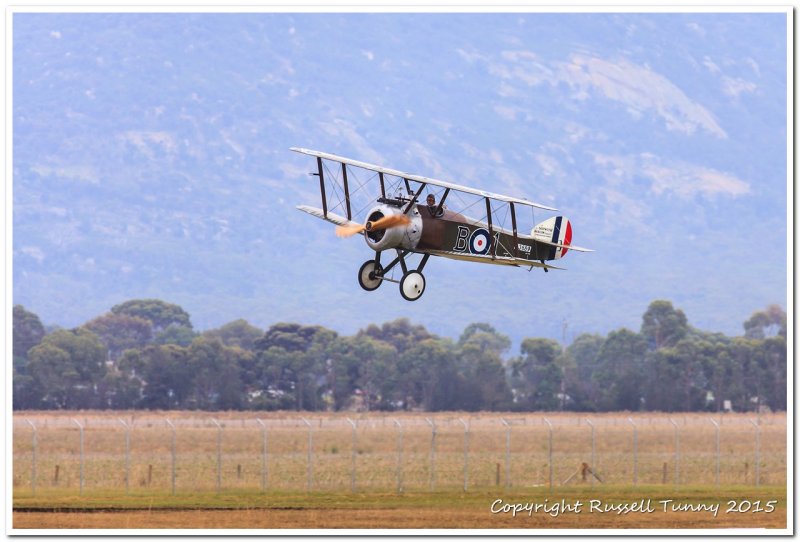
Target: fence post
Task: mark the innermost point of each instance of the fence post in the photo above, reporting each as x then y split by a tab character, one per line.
466	450
353	459
33	457
550	451
80	428
433	453
174	454
310	447
677	451
263	455
758	451
399	456
635	452
219	454
508	451
594	469
127	455
716	425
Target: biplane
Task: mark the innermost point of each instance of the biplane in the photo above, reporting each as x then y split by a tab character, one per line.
396	220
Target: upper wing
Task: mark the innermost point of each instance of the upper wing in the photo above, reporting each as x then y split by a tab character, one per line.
420	179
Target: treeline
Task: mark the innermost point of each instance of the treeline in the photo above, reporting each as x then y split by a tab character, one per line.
146	354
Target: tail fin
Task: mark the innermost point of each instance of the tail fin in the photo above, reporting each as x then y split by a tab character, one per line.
557	232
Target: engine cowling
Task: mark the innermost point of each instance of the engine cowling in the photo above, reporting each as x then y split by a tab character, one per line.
396	237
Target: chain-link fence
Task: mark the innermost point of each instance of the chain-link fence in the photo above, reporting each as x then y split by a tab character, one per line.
186	452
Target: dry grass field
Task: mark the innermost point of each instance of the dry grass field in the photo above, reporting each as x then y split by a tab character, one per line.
381	466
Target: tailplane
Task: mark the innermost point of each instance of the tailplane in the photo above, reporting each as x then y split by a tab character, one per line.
556	232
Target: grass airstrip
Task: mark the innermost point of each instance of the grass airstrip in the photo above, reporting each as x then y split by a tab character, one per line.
654	507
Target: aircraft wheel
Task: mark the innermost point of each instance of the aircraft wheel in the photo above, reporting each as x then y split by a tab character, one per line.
412	285
367	278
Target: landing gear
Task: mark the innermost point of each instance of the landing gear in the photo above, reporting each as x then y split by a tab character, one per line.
370	275
412	285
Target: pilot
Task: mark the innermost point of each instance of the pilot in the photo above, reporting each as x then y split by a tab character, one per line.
431	201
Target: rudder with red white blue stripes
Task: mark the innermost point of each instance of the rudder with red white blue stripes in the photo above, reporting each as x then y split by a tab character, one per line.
557	232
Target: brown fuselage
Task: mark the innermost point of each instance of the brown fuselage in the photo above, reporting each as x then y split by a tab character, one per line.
455	233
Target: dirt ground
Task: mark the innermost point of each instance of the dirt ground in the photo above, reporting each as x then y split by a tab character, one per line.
387	519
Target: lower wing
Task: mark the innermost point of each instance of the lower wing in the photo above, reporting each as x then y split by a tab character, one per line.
331	217
517	262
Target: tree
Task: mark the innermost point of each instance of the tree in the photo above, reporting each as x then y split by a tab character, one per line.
27	392
361	364
663	325
744	384
176	334
773	358
120	390
343	369
28	331
428	376
167	373
536	376
291	366
619	376
488	376
721	375
52	371
119	332
483	375
399	333
66	367
237	333
216	384
767	323
757	374
713	362
580	387
684	384
160	314
484	337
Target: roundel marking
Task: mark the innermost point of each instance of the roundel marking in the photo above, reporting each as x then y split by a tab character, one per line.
479	241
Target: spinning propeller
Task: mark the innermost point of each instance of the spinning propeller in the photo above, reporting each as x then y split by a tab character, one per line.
381	224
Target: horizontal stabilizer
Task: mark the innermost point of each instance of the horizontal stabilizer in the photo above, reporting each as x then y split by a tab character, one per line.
331	217
571	247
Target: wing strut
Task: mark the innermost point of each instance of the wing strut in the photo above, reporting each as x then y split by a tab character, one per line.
346	192
414	199
514	228
441	202
492	245
383	188
322	188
